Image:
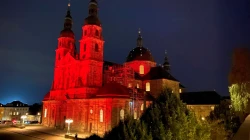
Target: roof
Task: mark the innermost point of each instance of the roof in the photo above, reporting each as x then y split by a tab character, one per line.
181	86
16	104
200	98
113	90
46	97
158	73
141	54
108	63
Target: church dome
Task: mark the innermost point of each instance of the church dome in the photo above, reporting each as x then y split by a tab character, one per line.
67	33
113	90
141	54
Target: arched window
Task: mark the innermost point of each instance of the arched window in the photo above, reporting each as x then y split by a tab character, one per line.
141	69
91	111
101	115
85	32
84	48
96	48
122	114
97	33
129	85
135	114
147	86
45	113
137	85
142	105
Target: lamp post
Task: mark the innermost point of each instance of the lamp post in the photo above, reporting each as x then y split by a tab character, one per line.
68	121
23	117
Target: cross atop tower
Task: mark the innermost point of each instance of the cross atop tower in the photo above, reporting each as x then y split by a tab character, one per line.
139	39
166	64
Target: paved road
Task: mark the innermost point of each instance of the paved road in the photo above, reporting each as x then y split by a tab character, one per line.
12	133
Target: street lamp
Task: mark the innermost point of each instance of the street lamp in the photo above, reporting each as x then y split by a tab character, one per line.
23	117
68	121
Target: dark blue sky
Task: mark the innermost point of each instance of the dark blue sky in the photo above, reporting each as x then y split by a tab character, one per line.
199	36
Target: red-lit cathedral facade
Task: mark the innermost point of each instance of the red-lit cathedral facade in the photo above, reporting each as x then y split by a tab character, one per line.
97	94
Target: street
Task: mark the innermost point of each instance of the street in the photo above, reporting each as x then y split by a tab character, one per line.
28	133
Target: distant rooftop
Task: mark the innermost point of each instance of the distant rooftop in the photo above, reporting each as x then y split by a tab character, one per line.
16	104
200	98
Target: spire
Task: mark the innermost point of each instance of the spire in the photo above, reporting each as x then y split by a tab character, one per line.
93	7
68	22
166	64
139	39
68	19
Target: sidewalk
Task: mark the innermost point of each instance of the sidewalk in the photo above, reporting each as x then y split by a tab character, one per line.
53	131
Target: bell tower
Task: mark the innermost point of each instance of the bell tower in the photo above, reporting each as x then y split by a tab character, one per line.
91	47
66	40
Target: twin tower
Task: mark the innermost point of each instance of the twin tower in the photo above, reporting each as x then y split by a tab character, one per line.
71	65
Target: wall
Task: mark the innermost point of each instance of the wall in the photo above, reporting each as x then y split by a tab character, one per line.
10	113
1	113
201	111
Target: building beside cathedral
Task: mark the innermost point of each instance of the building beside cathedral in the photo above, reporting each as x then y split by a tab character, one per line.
95	93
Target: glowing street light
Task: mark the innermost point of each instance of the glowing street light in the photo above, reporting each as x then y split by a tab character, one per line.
68	121
23	117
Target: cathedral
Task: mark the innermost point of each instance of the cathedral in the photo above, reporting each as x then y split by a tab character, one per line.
97	94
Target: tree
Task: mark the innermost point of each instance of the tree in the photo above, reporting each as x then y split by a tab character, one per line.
239	80
167	118
224	121
129	129
240	96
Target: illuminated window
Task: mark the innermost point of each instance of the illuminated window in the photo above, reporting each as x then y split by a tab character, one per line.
129	85
147	86
14	113
141	69
96	48
101	115
26	113
45	113
137	85
212	107
84	48
122	114
142	105
135	115
180	90
91	111
17	113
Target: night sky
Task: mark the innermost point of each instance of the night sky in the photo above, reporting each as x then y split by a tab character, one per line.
199	36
